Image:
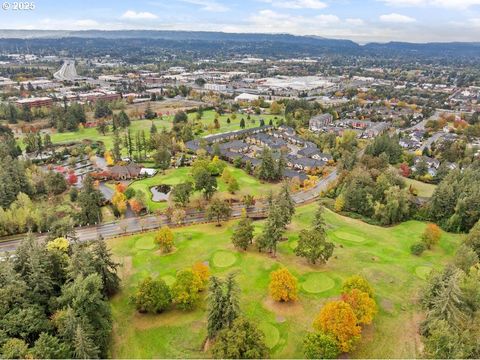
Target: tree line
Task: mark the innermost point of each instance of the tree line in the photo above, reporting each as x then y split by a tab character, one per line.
55	300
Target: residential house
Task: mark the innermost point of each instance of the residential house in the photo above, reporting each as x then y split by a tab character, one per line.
317	123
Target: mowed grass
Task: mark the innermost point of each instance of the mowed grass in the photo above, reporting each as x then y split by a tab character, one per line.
165	122
424	189
383	257
248	184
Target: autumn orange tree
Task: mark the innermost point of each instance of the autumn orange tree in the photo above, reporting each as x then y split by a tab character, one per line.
164	238
357	282
283	286
431	236
136	206
120	187
338	319
362	305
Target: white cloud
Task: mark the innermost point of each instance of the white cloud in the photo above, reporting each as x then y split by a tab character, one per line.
141	15
208	5
475	22
298	4
451	4
272	21
328	19
86	23
396	18
355	21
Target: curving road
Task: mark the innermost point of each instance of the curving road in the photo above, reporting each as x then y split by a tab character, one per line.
134	225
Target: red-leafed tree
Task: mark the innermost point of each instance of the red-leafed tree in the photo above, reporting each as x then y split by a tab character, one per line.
72	179
405	170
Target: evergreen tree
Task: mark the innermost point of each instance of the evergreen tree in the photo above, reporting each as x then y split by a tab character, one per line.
243	234
314	246
162	158
149	114
153	129
223	303
13	180
84	296
117	155
243	340
90	201
273	230
84	345
50	347
12	114
216	303
267	169
123	119
319	224
286	204
105	267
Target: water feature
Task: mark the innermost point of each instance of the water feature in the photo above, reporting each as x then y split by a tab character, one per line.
160	193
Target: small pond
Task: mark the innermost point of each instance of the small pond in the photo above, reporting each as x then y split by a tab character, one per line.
160	193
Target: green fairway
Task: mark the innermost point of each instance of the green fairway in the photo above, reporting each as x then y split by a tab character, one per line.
205	125
272	335
223	259
383	257
317	282
424	189
423	271
248	184
144	243
349	236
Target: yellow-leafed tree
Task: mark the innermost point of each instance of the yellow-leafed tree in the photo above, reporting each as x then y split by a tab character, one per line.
164	239
201	270
119	200
338	319
283	286
362	304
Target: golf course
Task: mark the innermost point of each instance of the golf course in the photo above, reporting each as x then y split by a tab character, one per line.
382	255
166	121
248	185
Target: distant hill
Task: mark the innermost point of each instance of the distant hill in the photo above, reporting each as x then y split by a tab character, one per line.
254	44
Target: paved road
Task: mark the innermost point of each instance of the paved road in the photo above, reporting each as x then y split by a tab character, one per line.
150	222
434	138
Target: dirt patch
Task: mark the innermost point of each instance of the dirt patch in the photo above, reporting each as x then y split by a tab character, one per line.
368	332
161	253
409	337
126	268
282	309
387	305
168	318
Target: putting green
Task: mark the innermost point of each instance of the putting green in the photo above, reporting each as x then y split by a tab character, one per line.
144	243
349	236
223	259
272	335
169	279
317	283
423	271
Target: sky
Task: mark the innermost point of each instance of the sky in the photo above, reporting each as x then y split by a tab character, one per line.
358	20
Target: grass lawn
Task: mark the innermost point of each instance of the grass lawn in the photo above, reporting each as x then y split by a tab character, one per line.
165	121
248	184
424	189
380	254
